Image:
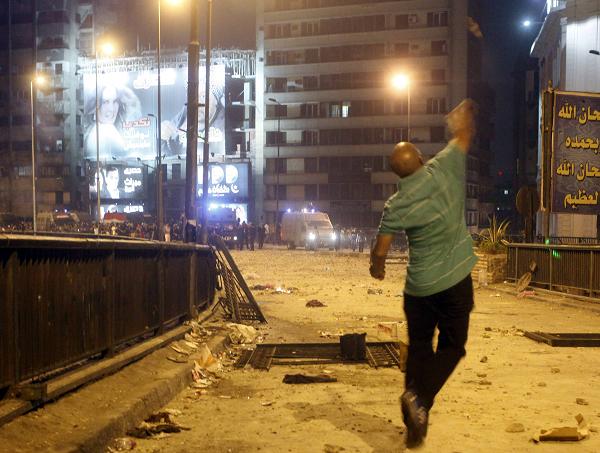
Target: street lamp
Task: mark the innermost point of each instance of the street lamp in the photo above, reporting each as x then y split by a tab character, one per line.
402	82
107	48
277	164
38	81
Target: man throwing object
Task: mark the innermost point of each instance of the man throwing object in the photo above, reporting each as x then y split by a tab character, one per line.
430	207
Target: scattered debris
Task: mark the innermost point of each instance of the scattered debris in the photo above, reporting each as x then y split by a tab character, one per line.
541	384
581	401
390	329
206	359
555	370
181	348
266	287
481	375
157	423
515	428
484	359
496	295
241	333
267	403
306	379
488	329
326	334
565	433
180	358
374	291
122	444
314	303
526	293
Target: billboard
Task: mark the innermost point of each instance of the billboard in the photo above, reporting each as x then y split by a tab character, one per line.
575	146
118	182
127	107
226	181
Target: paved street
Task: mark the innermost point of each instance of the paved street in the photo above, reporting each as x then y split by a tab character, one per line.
505	378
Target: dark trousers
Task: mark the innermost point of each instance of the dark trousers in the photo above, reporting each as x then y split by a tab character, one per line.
428	370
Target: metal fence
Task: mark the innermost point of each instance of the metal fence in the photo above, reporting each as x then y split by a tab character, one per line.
65	300
566	268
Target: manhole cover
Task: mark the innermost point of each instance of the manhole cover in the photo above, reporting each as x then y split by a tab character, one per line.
566	339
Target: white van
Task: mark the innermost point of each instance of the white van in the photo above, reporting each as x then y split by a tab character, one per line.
310	230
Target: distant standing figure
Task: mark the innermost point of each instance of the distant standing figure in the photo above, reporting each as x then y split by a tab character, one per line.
261	235
251	236
167	232
243	235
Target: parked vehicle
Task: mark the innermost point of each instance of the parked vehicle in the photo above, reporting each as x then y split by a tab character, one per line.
310	230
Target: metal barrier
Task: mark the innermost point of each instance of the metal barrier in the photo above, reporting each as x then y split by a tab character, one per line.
564	268
66	300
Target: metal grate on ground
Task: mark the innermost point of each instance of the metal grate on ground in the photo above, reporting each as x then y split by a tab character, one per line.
566	339
383	354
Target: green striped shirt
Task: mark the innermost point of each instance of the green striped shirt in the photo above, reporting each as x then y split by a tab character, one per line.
430	206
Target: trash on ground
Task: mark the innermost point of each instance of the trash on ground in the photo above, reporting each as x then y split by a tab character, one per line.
306	379
390	329
181	348
242	334
565	433
157	423
206	359
315	303
180	358
122	444
524	294
327	334
266	403
374	291
284	290
262	287
353	346
515	428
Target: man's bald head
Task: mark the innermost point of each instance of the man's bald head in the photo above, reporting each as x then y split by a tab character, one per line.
405	159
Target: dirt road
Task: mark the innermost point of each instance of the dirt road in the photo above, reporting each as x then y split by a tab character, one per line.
505	379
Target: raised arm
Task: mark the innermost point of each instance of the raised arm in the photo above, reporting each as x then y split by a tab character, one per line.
461	122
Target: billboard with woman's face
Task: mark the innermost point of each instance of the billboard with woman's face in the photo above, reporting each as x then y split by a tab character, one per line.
127	106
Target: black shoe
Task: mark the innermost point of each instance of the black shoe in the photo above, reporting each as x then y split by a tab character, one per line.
415	418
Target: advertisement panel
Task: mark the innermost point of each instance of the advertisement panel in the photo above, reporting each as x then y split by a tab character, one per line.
575	160
118	182
127	125
226	181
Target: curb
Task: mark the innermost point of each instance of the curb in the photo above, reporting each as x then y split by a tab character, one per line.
161	394
574	303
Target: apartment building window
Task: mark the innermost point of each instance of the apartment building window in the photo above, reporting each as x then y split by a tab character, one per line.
439	48
401	21
438	75
276	84
311	192
58	68
311	56
309	28
58	198
438	134
311	82
309	110
310	138
310	165
323	164
323	191
436	105
437	19
272	138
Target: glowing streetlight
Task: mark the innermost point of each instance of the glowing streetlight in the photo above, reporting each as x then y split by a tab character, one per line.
38	81
527	23
402	82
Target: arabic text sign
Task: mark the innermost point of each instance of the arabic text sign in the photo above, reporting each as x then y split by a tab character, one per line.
576	158
226	181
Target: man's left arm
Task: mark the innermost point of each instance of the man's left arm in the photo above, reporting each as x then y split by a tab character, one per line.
379	255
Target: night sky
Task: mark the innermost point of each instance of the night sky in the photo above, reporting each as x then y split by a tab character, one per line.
234	26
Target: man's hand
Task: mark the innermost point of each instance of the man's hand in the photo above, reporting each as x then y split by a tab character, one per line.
377	267
379	254
461	122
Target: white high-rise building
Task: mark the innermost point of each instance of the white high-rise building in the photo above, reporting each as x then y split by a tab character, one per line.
325	81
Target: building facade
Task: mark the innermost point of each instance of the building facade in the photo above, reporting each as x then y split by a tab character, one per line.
329	114
43	37
570	30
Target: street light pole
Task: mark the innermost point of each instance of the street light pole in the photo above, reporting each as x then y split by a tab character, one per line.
206	149
277	165
33	158
99	214
159	188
